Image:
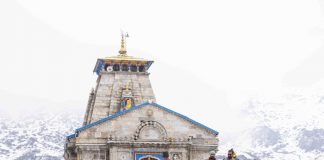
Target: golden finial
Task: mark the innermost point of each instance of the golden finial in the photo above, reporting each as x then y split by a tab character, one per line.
127	87
122	50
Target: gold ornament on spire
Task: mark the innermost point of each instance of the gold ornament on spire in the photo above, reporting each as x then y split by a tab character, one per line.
127	87
122	50
123	58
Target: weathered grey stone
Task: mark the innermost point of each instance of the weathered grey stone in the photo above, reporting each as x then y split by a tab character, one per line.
147	129
108	93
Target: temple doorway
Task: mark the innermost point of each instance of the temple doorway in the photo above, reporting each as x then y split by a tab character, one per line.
143	155
149	158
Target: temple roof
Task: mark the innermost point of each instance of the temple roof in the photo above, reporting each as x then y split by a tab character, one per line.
122	58
137	107
123	53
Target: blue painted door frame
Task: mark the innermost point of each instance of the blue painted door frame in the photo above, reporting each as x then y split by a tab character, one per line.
141	155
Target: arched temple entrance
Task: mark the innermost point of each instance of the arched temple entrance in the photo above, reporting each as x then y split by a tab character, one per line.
149	158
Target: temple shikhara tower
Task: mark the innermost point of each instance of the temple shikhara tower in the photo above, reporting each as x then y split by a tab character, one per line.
124	122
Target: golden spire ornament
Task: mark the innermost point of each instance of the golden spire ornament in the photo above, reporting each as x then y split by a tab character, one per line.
122	50
127	86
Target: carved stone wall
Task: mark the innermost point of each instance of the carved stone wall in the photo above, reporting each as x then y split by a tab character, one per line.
147	129
150	131
126	126
108	93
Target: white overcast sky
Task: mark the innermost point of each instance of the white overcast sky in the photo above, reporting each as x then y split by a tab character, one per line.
209	55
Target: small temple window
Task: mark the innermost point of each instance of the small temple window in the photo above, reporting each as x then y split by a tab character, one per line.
141	68
116	67
133	68
106	66
124	67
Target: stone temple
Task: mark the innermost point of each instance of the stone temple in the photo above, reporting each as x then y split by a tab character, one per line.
124	122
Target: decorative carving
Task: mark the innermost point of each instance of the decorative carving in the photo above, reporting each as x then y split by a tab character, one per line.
149	157
176	156
127	100
150	130
88	156
123	156
149	112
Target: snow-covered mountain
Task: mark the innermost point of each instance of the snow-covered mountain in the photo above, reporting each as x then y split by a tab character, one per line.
288	126
35	129
31	137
